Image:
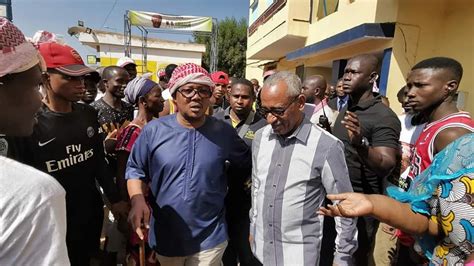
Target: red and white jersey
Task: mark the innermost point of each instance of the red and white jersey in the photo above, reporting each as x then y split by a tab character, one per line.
424	147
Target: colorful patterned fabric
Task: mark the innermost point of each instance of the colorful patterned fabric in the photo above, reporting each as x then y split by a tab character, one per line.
445	192
127	137
453	209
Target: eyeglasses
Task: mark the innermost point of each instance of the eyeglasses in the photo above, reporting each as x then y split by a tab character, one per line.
190	92
277	112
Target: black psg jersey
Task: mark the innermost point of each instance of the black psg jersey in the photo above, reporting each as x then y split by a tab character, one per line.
68	147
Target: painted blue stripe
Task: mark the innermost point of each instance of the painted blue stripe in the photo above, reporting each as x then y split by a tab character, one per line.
386	30
387	55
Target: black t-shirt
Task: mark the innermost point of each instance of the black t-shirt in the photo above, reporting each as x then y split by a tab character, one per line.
9	148
68	146
110	118
380	125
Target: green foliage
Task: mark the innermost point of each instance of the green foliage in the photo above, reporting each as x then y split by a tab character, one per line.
232	44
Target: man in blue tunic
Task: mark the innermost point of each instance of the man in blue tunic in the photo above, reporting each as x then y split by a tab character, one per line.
183	159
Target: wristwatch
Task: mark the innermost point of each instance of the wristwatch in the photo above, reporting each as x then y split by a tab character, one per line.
364	142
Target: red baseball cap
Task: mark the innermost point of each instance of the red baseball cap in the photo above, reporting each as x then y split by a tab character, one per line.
220	77
64	59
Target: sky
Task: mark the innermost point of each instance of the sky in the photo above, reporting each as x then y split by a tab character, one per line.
58	15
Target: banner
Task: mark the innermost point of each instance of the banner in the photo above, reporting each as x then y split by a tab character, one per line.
161	21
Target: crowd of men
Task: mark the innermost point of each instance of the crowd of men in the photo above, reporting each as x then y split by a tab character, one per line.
205	169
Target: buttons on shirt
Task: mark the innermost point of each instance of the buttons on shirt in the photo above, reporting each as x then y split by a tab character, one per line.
274	185
271	205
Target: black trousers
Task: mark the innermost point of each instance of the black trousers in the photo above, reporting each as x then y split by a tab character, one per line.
367	228
238	248
328	244
83	237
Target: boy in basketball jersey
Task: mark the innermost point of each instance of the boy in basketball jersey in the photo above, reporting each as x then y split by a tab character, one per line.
432	85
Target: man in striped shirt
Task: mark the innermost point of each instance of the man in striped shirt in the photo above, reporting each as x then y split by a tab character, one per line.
295	164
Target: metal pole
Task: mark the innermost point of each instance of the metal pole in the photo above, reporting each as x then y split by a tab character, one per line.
144	50
214	53
127	34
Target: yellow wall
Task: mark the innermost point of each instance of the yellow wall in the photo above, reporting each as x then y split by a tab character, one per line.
349	15
253	71
424	28
326	72
438	29
455	38
152	66
283	32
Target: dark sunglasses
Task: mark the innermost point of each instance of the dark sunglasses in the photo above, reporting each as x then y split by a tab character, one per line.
277	112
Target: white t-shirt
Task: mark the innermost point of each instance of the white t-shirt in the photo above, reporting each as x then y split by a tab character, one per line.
409	133
313	115
330	114
408	137
32	216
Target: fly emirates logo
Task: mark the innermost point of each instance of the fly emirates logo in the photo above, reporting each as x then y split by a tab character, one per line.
75	156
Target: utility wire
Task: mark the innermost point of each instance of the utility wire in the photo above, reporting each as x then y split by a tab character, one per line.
110	12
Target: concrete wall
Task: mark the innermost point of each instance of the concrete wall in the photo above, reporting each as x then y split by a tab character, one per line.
326	72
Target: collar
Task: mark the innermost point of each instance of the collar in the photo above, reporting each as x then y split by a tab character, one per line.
366	104
344	98
301	133
227	116
227	113
320	105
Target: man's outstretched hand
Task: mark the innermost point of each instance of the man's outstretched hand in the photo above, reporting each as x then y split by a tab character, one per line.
139	216
348	205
